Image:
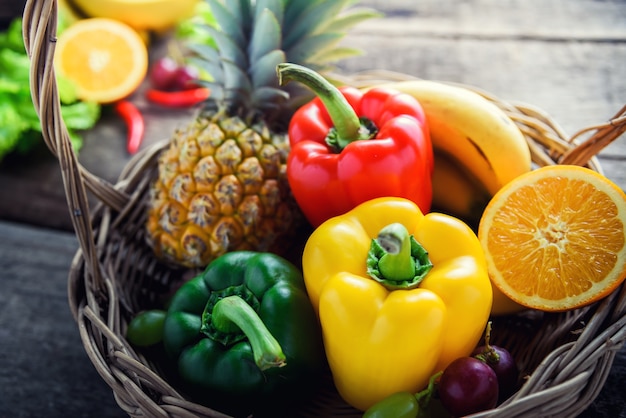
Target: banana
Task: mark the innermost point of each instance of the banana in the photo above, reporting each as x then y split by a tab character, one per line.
472	130
148	15
456	192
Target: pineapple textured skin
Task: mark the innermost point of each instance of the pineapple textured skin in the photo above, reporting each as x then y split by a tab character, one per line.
221	187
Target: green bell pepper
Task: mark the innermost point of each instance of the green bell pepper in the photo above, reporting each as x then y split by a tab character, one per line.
244	327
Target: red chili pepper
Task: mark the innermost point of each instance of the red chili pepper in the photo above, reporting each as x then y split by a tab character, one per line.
179	98
134	123
348	147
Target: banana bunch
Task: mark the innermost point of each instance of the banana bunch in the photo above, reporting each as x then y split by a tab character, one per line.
478	148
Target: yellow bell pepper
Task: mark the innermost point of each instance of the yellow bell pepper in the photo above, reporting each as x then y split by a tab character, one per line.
389	324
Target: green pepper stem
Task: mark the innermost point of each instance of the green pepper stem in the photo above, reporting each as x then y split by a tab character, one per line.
348	127
397	264
233	312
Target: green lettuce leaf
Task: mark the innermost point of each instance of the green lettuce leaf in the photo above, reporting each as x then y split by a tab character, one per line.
20	127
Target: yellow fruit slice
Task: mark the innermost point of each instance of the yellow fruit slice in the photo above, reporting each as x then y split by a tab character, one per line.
555	238
153	15
106	59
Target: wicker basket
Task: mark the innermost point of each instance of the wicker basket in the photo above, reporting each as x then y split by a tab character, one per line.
565	357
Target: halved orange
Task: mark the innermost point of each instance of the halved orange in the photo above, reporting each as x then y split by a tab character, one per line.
106	59
555	238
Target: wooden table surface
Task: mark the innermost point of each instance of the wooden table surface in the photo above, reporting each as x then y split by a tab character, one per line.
566	57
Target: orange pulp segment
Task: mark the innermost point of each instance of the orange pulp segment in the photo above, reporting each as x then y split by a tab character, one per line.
554	238
106	59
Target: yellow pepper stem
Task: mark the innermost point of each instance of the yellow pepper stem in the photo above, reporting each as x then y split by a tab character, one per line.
397	264
396	259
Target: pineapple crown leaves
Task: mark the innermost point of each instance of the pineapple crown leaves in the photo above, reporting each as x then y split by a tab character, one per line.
252	37
314	28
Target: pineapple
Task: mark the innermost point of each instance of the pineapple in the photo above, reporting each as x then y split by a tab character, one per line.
221	182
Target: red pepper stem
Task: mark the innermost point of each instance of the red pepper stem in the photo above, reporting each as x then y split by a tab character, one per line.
345	120
397	264
232	313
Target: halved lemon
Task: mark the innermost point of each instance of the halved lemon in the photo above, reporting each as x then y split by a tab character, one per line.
555	238
107	60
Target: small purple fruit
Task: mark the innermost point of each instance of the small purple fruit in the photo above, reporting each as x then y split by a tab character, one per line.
503	364
162	73
467	386
185	78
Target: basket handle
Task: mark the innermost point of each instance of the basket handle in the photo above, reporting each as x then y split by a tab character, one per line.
604	134
39	30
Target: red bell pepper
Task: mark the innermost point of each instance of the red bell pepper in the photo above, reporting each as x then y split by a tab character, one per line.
348	147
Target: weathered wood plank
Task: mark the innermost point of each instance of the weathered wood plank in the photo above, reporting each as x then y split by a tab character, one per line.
44	370
512	49
545	20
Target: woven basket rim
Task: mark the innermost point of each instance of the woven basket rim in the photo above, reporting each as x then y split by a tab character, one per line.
102	297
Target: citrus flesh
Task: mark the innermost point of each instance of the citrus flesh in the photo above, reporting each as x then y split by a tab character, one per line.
106	60
554	238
